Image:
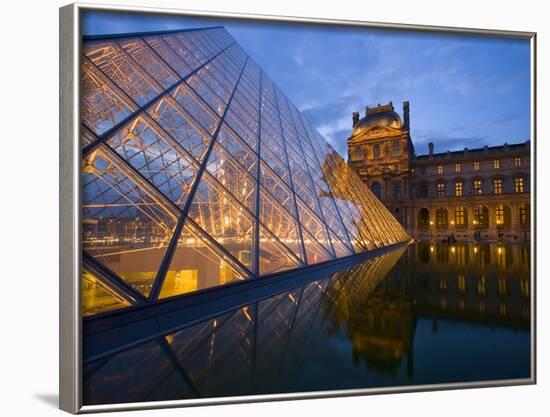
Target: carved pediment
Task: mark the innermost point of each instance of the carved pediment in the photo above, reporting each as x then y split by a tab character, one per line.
375	132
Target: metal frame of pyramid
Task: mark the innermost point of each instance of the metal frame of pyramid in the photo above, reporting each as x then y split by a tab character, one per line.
198	171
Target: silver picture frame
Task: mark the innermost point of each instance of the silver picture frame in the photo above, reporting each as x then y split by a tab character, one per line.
70	360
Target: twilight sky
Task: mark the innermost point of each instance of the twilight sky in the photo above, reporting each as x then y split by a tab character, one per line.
463	90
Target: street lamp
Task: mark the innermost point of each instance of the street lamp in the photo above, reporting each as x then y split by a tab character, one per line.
431	224
499	228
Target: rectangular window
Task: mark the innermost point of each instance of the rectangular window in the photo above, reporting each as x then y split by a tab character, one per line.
396	168
523	215
460	216
499	214
422	170
477	187
459	187
458	167
497	186
441	189
424	190
440	169
496	164
396	148
397	189
517	162
476	166
518	185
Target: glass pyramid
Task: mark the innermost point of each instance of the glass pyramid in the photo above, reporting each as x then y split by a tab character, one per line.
198	171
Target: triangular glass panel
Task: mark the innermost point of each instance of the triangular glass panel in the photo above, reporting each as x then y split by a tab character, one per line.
232	176
273	256
151	152
197	264
224	219
98	297
279	222
126	223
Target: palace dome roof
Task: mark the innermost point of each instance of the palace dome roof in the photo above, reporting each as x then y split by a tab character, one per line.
379	116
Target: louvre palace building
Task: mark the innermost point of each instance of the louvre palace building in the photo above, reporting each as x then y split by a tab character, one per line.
478	194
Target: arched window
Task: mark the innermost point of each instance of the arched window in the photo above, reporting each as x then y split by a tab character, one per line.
376	151
502	215
423	218
481	217
376	189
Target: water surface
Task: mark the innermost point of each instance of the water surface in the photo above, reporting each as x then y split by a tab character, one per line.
423	314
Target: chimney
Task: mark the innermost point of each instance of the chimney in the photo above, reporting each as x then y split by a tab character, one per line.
406	114
355	117
431	148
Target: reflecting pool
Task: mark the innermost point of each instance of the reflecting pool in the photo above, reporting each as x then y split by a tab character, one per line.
422	314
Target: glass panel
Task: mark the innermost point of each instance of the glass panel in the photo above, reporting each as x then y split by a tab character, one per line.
277	188
196	107
97	297
103	104
151	152
195	265
313	224
236	147
181	126
149	61
232	176
126	225
279	222
207	94
123	70
224	219
315	252
168	55
274	257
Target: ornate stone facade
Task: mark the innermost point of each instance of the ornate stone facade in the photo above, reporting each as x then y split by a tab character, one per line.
473	194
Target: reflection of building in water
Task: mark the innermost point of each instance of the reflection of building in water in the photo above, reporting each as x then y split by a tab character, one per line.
264	347
257	349
483	191
482	283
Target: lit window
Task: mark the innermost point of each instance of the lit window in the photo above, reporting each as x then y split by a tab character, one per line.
478	187
499	214
497	186
376	151
517	162
441	189
476	166
458	167
396	148
459	187
496	164
441	218
440	169
481	216
523	215
518	185
460	216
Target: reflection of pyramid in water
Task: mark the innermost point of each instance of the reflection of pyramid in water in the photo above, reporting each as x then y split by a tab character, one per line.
198	171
